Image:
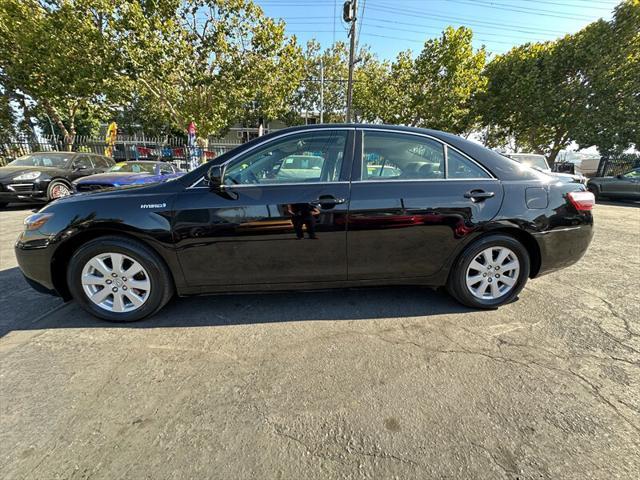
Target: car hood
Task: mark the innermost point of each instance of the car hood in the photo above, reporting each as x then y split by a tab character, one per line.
114	177
13	171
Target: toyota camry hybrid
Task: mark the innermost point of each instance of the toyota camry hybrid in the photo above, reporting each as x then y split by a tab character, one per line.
313	207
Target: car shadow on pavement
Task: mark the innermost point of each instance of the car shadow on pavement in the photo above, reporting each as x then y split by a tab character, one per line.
26	309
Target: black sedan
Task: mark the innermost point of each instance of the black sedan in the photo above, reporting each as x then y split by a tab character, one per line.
625	185
46	176
313	207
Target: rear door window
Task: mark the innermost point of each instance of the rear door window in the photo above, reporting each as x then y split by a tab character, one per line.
397	156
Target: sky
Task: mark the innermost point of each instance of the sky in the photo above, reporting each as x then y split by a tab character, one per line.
391	26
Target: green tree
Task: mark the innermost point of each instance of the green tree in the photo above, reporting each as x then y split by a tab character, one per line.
434	90
608	55
333	61
583	87
530	97
53	54
215	62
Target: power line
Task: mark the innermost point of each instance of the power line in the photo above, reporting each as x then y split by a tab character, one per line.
500	35
335	3
533	11
456	19
364	2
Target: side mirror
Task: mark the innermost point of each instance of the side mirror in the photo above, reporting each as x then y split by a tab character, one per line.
78	168
215	177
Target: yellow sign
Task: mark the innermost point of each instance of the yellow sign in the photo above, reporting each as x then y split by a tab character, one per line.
112	133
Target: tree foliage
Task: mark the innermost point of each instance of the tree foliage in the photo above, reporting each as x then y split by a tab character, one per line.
69	65
582	87
434	90
212	61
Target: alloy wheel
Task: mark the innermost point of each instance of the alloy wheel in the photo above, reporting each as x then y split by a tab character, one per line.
60	190
493	273
115	282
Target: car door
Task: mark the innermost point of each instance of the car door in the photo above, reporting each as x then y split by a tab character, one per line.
280	217
413	199
626	185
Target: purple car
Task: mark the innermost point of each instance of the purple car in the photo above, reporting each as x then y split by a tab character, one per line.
129	173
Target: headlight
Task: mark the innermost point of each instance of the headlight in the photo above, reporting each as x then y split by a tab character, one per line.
28	176
36	221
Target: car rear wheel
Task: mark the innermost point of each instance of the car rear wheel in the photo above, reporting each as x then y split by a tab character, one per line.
118	279
3	204
491	272
596	191
58	189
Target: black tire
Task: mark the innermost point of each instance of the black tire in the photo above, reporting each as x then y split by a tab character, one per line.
161	281
51	190
3	204
596	191
457	287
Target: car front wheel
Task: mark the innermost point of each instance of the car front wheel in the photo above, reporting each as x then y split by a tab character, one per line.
58	189
118	279
490	272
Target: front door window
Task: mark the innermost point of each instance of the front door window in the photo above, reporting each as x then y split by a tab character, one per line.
314	157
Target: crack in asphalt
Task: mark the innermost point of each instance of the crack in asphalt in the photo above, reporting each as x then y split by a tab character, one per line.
313	451
584	382
494	459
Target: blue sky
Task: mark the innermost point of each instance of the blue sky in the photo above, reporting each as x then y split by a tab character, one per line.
389	26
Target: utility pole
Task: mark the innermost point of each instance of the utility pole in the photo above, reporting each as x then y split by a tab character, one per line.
321	91
349	13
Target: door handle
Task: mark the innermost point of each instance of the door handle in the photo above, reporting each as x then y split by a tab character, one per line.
329	200
478	195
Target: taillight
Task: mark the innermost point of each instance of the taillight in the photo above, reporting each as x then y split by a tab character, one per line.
582	201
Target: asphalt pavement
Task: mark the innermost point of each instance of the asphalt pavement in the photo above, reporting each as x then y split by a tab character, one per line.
370	383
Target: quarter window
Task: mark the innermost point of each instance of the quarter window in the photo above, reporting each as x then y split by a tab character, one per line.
393	156
307	157
458	166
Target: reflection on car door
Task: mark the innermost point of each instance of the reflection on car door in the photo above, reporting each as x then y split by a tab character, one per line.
409	224
263	228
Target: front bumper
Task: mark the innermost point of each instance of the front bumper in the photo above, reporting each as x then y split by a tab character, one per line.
34	259
562	247
22	191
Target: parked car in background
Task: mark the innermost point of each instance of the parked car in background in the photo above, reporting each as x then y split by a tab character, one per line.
128	173
626	185
46	176
539	162
453	213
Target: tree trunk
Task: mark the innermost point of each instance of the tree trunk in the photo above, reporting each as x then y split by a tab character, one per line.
53	114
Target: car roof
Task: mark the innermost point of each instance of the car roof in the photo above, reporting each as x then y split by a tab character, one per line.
52	153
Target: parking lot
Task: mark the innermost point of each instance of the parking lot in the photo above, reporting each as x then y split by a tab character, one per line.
371	383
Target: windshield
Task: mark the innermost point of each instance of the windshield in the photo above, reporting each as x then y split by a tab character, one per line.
134	167
41	160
